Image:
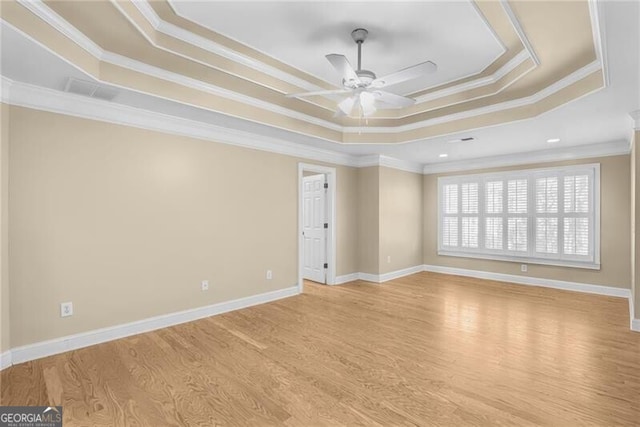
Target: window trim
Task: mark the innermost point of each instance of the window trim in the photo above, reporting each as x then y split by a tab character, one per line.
531	175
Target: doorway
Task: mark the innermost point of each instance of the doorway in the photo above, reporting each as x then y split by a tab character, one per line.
316	224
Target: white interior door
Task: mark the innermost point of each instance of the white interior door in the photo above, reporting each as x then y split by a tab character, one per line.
313	231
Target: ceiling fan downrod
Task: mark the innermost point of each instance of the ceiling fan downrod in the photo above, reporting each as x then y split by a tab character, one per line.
359	35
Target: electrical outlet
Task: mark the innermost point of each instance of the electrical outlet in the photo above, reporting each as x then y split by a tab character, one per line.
269	275
66	309
388	259
205	285
523	268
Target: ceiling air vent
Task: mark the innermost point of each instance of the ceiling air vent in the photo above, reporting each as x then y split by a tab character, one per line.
93	90
466	139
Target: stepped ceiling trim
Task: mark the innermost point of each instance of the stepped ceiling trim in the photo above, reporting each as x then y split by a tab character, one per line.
480	102
428	94
43	99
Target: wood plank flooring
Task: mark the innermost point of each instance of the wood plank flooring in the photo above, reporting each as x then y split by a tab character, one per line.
427	349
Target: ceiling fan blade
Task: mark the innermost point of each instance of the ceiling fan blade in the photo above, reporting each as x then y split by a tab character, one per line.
393	100
343	66
346	106
406	74
318	92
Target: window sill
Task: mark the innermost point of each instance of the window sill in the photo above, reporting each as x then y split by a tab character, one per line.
523	260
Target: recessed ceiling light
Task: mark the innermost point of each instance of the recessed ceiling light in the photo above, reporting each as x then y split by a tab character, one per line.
443	155
551	140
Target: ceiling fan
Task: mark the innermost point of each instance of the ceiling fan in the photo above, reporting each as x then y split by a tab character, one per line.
364	86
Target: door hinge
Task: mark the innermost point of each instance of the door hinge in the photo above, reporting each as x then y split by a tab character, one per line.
326	265
326	225
326	185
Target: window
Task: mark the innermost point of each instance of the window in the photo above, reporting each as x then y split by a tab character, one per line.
545	216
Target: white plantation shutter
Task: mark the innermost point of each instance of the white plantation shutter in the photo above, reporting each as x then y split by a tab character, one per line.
517	196
547	195
547	216
493	229
494	209
576	236
517	208
577	231
469	217
450	232
470	198
494	197
547	235
451	199
450	224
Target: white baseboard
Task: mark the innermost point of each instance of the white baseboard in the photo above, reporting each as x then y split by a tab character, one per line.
5	359
635	323
346	278
399	273
533	281
85	339
369	277
378	278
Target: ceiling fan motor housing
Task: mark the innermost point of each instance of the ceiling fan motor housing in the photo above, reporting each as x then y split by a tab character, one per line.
366	77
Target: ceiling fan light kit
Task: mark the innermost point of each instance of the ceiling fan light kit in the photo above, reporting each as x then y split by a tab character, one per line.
363	86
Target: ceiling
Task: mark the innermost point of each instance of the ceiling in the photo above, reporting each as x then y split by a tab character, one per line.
454	35
582	92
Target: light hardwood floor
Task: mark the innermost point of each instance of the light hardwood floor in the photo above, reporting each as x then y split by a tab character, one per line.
428	349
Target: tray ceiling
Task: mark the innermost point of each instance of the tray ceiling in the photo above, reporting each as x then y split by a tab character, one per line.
454	35
499	62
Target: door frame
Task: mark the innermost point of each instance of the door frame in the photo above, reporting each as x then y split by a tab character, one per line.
331	213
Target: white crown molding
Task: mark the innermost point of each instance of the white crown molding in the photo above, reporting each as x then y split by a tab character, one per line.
613	148
518	28
532	281
42	11
85	339
203	43
160	73
599	37
39	98
389	162
65	28
45	13
500	73
405	165
536	97
188	37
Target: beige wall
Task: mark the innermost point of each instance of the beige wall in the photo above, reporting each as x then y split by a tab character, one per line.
347	219
368	219
4	242
614	230
126	222
401	219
